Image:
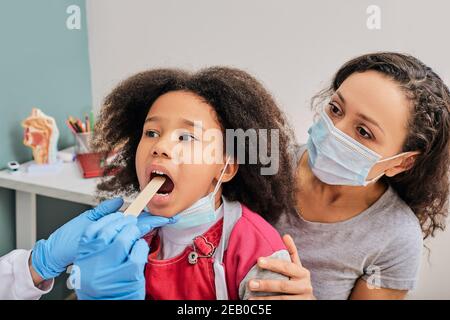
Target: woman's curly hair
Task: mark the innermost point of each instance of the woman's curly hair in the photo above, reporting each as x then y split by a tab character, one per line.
240	102
425	187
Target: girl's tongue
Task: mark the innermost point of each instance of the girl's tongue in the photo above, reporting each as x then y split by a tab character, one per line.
167	186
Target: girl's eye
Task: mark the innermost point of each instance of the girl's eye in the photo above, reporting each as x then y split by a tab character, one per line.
151	134
186	137
335	110
364	133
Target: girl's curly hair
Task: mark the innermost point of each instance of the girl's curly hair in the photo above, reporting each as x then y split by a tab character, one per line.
425	187
240	102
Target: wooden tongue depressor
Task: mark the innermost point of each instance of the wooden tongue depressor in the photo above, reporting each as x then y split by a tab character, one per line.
144	197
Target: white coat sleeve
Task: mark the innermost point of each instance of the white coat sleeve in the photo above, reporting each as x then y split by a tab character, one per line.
15	278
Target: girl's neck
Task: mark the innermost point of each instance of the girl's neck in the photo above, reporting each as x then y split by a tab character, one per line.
321	202
174	241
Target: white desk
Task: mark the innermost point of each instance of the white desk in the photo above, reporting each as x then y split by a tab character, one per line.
68	184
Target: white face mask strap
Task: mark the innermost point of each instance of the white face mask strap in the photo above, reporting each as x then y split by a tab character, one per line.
219	182
382	174
393	157
374	179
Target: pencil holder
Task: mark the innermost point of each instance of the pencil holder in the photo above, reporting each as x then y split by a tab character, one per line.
83	142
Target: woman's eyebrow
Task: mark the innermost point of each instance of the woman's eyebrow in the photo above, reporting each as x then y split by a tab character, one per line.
340	97
360	115
368	119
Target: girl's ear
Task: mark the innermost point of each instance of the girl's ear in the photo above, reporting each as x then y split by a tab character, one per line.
230	171
407	162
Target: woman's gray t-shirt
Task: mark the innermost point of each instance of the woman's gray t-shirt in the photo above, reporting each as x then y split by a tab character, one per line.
381	245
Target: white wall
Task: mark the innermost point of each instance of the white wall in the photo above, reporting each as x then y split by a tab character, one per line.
434	282
292	46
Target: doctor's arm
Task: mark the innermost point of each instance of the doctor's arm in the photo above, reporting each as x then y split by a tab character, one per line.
27	275
17	282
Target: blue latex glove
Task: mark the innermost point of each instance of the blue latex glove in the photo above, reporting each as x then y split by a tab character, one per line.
51	257
111	257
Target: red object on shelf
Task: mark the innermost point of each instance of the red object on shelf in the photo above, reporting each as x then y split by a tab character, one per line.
91	164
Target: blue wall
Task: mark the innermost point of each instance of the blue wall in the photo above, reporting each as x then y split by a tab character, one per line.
42	64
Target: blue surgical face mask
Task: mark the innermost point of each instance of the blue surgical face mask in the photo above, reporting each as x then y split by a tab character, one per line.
202	211
337	159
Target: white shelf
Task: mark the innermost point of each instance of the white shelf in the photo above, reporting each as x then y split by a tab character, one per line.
67	184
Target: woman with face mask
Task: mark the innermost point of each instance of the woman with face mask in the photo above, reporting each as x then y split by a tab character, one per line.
371	183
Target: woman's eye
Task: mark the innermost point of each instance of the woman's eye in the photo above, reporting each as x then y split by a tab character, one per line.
334	109
151	134
186	137
364	133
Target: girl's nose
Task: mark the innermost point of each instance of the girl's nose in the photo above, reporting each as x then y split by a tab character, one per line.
162	148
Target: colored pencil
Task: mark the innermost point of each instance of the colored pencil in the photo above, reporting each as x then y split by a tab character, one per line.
71	127
80	124
88	124
91	119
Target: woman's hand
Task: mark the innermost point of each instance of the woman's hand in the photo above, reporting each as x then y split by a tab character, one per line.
298	287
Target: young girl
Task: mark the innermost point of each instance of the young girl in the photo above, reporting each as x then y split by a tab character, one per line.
160	117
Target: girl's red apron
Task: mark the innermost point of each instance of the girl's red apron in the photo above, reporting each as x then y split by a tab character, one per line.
179	278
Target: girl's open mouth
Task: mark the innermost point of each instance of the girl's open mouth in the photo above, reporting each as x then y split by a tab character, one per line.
168	185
